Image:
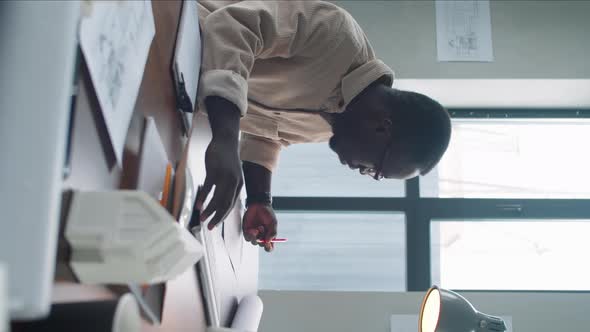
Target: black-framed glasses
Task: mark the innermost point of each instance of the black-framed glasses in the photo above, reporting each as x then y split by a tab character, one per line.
377	172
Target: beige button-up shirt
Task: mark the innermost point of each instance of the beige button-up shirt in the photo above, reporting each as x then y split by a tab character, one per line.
287	65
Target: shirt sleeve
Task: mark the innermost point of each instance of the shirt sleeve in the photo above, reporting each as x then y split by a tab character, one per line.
236	35
259	150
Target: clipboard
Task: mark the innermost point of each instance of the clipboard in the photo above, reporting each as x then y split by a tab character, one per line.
187	62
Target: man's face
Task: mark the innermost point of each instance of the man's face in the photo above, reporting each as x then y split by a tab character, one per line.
362	140
355	143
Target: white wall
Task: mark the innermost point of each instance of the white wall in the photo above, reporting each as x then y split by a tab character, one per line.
531	39
541	51
370	312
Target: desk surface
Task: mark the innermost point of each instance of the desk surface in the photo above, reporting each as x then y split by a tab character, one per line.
93	165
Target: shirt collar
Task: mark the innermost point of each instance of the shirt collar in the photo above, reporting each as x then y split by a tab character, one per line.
357	80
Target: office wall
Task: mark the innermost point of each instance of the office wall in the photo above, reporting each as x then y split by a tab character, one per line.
296	311
541	51
531	39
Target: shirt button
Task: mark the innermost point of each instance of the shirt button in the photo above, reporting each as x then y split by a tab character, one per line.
341	103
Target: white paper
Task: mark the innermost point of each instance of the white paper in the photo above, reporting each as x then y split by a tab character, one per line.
115	37
409	323
464	31
153	162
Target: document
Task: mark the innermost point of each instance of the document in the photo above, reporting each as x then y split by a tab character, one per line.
115	37
153	162
464	31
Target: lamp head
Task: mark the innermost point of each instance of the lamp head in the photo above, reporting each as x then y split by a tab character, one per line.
446	311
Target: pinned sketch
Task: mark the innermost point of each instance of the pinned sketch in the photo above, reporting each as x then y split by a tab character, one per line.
464	31
115	37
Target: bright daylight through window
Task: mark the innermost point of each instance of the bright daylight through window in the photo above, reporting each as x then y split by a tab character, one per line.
501	246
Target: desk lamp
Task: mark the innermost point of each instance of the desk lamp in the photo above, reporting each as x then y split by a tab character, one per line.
446	311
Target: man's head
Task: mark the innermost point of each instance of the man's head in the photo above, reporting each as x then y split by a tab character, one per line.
391	133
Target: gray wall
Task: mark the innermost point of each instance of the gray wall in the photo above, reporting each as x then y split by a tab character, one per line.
531	39
365	311
541	53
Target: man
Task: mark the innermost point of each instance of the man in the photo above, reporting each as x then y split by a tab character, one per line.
286	72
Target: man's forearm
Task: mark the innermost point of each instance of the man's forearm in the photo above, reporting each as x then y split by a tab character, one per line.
224	118
257	178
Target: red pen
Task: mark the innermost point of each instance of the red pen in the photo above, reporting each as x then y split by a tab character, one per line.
275	240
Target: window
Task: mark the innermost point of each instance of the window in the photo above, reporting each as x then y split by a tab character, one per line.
508	208
511	254
337	251
314	170
513	159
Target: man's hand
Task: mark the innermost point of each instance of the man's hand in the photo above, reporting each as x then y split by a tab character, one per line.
260	223
222	162
223	170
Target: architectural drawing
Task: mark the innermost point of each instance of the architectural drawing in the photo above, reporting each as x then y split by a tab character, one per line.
115	40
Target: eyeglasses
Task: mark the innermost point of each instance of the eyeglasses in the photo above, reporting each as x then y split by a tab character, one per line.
377	172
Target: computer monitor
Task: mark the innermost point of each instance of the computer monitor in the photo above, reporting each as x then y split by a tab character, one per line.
37	59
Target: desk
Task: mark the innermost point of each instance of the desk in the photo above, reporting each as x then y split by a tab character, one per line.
93	165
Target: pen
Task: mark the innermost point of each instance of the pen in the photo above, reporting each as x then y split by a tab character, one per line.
275	240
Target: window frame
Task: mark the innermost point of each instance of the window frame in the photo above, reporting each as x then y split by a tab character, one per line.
420	211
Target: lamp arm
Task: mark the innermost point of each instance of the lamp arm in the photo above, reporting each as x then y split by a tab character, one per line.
489	323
